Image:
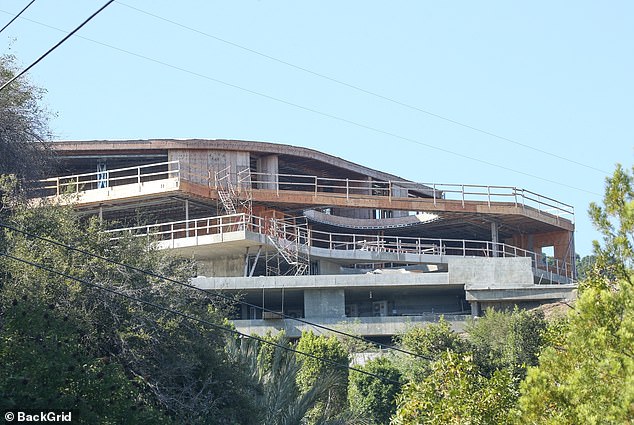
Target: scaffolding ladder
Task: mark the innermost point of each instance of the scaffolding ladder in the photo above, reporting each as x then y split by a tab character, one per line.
291	241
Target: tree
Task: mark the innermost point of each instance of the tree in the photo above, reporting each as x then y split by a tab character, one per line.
585	265
615	220
72	333
23	126
372	398
429	342
456	393
275	370
506	340
588	376
312	369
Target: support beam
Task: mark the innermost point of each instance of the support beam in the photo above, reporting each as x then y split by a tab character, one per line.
255	262
187	216
246	262
495	238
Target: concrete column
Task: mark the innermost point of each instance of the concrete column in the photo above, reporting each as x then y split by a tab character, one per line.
246	263
475	308
322	303
187	216
494	238
269	166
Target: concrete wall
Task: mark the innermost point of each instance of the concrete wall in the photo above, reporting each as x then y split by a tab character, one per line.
195	164
490	272
320	303
371	326
232	266
269	165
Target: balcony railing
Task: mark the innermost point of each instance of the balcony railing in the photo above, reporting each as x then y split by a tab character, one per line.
76	183
336	242
348	188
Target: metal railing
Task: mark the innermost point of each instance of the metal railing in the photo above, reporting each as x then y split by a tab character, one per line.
77	183
197	227
397	189
219	225
348	188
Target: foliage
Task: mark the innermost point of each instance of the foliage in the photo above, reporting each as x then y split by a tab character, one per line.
371	397
615	220
23	126
266	352
313	369
585	266
455	393
506	340
588	376
432	340
278	396
73	333
429	342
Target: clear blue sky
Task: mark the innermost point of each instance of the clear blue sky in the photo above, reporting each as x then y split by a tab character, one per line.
555	76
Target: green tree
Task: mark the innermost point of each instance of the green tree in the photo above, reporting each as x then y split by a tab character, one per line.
456	393
429	342
506	340
312	369
588	376
585	265
23	126
148	358
372	398
615	221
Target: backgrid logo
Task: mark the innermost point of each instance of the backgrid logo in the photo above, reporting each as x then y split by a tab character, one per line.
44	416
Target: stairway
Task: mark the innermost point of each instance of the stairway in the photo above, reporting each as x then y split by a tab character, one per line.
291	246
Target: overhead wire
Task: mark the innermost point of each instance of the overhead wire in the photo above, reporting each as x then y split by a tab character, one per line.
17	16
196	319
321	113
211	293
359	89
59	43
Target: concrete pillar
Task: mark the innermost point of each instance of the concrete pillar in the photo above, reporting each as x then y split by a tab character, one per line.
494	238
322	303
246	263
475	308
187	216
269	167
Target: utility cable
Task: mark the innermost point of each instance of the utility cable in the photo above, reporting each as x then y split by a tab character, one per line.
70	34
195	319
360	89
17	16
209	293
324	114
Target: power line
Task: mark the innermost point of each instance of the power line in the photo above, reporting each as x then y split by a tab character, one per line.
324	114
361	89
207	292
195	319
24	71
17	16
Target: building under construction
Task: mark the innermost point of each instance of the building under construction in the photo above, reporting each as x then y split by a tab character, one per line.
305	234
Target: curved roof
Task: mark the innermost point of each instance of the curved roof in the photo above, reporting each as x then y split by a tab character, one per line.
112	146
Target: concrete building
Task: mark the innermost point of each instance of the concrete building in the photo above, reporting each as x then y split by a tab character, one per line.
309	235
